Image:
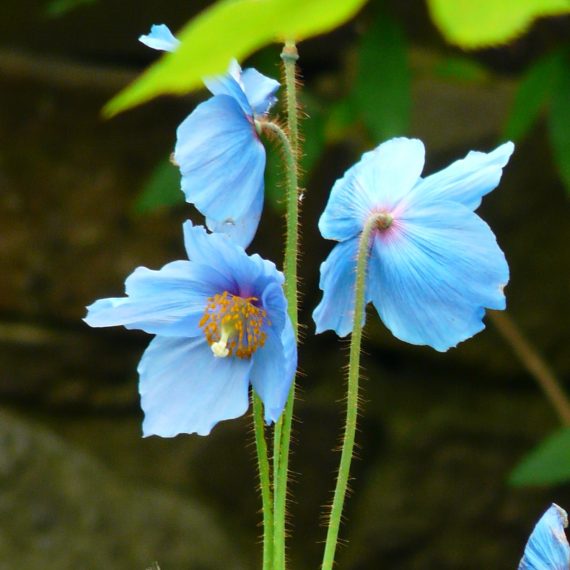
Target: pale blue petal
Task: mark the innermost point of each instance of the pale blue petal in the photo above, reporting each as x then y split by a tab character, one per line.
160	38
432	274
381	180
240	230
247	275
185	389
273	371
230	84
469	179
260	90
221	159
169	302
547	548
274	302
338	275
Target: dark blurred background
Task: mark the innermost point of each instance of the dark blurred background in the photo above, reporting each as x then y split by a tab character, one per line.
83	201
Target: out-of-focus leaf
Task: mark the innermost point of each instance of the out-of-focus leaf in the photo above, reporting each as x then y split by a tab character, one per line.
461	69
56	8
533	93
341	117
274	179
313	132
479	23
382	90
228	29
547	464
162	189
559	123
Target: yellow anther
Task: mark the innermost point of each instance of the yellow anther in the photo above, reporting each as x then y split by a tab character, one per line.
233	325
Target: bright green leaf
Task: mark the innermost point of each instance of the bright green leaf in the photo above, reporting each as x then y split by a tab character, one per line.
231	28
461	69
547	464
162	189
382	92
480	23
533	93
559	123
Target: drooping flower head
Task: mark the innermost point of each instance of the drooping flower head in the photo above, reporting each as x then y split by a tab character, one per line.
221	323
547	547
218	150
434	265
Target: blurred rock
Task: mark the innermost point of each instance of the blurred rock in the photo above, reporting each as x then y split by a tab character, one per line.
61	509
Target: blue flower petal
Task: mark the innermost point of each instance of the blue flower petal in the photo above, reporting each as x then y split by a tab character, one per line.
185	389
273	371
242	272
469	179
547	548
160	38
434	271
260	90
221	159
336	309
230	84
169	302
240	230
380	180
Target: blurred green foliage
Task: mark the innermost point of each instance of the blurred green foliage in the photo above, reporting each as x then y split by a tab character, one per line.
162	189
382	90
231	29
559	121
547	464
475	24
533	94
461	68
56	8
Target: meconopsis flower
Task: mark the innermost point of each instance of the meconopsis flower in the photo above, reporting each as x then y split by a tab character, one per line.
547	547
434	265
218	150
220	322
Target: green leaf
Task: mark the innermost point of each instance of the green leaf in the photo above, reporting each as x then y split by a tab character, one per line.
547	464
57	8
382	91
162	189
532	95
231	28
479	23
461	69
341	117
559	123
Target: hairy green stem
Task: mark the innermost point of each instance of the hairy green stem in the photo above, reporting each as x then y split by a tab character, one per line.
282	434
264	481
352	393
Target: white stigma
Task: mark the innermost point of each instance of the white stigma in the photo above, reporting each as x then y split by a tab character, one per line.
220	348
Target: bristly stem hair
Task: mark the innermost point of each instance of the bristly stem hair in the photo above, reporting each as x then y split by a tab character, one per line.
352	395
282	434
264	482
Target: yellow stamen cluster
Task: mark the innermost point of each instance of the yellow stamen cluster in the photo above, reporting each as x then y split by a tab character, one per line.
233	325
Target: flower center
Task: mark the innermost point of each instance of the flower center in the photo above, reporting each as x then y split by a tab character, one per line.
233	325
383	221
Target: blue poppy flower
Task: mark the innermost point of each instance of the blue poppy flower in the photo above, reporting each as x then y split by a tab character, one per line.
218	150
547	547
220	322
434	265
